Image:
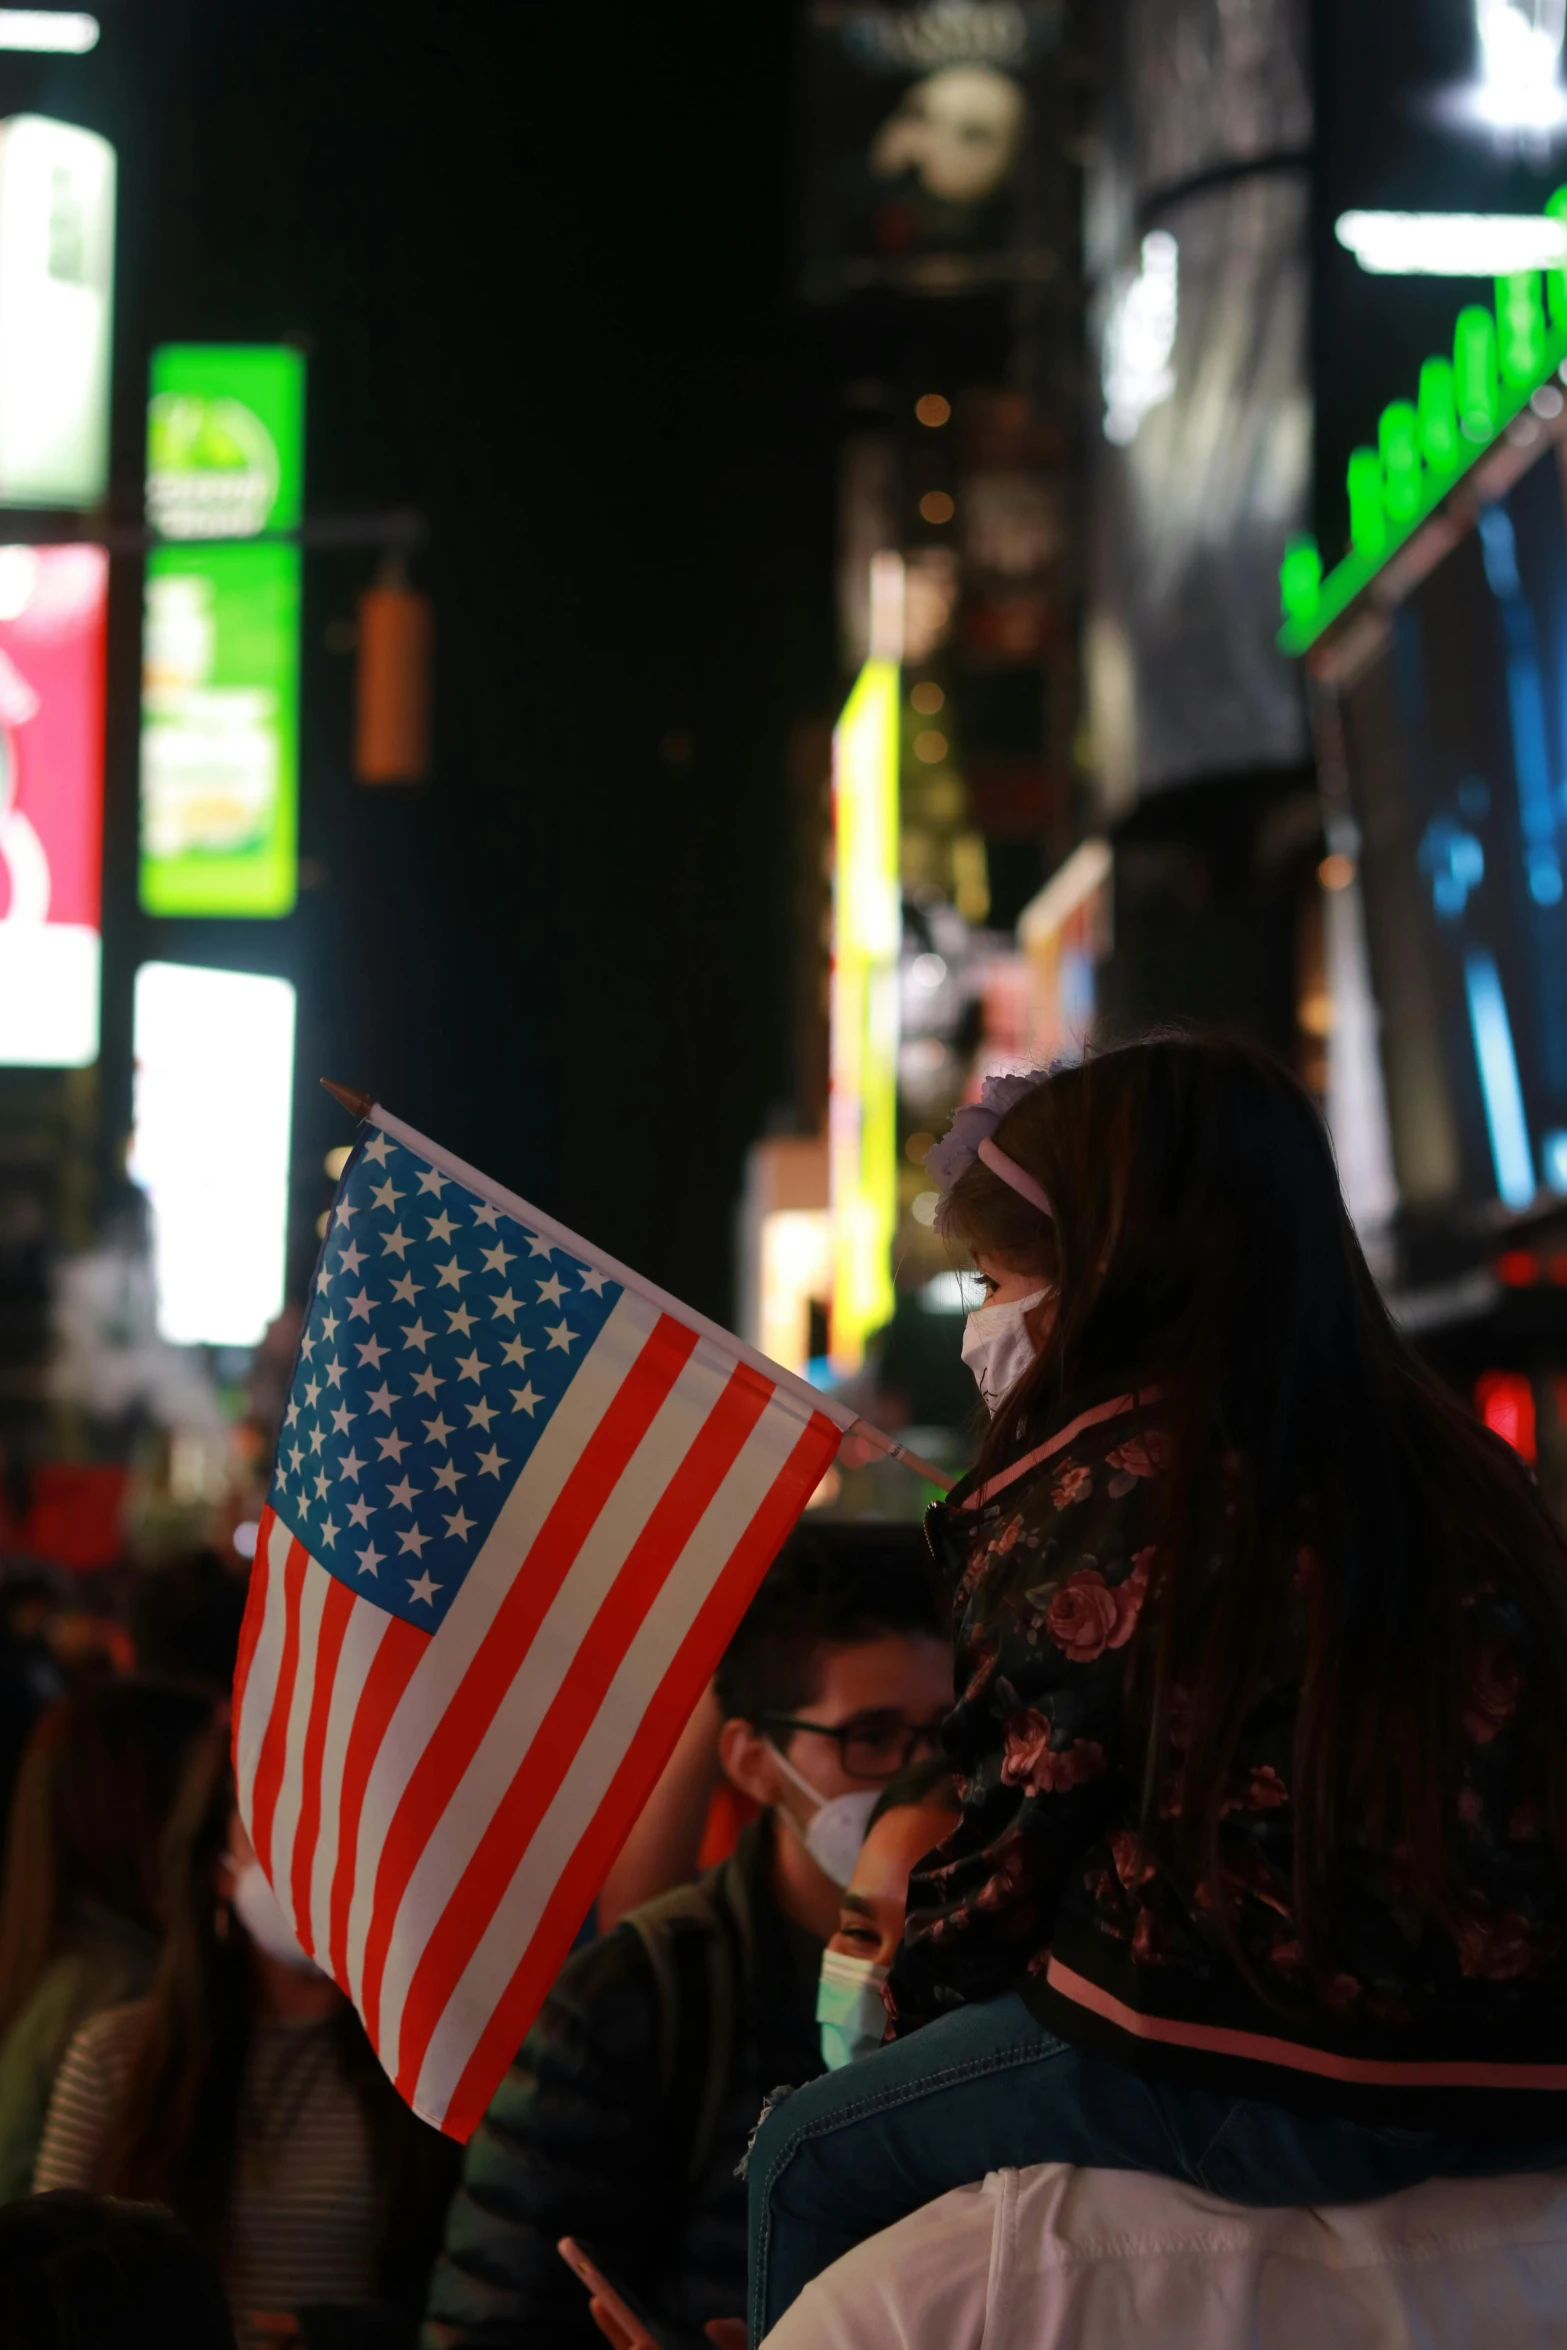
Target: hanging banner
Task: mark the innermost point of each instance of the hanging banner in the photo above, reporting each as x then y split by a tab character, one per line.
220	693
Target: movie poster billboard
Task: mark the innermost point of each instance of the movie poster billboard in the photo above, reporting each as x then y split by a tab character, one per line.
927	152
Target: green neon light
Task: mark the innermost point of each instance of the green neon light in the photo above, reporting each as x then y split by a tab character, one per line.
1499	361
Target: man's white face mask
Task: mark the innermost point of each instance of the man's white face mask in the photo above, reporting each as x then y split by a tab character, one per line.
998	1347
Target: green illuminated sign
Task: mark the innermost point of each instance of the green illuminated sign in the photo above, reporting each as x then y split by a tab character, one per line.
1423	447
225	440
220	674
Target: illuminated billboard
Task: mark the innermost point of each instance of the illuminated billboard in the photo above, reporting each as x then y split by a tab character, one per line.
52	607
220	690
56	308
213	1108
866	930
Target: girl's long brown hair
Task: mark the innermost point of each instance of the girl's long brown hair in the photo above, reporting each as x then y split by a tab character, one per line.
1199	1244
97	1780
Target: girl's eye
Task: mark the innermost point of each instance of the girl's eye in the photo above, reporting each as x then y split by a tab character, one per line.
856	1930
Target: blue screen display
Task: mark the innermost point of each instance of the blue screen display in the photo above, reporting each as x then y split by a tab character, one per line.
1455	737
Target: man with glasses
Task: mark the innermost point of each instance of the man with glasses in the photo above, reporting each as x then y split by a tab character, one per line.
632	2099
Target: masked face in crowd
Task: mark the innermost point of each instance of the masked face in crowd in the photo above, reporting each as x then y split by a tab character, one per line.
1002	1337
849	2011
244	1885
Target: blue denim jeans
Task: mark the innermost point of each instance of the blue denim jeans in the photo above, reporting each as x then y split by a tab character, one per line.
987	2088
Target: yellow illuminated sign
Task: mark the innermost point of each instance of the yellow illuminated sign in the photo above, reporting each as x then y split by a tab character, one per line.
866	926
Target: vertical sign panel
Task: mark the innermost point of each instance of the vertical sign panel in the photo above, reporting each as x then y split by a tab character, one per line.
56	289
52	606
862	1116
214	1102
220	702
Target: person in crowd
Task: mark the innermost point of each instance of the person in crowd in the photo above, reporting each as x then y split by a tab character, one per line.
1261	1878
914	1812
30	1675
244	2095
664	1847
79	2270
80	1909
185	1619
630	2104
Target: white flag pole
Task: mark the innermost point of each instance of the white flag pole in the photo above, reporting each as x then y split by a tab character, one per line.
810	1398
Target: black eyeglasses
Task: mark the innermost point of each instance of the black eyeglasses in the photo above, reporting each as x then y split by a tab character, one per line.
870	1746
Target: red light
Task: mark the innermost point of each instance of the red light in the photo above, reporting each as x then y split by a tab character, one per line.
1505	1402
1518	1268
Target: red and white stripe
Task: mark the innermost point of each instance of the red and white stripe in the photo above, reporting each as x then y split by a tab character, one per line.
436	1810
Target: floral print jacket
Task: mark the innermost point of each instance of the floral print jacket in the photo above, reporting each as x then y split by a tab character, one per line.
1046	1887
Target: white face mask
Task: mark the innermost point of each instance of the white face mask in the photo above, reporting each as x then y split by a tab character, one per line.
850	2016
837	1826
998	1349
261	1914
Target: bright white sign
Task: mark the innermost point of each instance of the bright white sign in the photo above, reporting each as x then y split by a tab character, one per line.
56	293
61	31
214	1095
1453	244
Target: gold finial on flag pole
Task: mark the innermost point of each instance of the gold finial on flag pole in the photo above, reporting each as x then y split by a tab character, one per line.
358	1105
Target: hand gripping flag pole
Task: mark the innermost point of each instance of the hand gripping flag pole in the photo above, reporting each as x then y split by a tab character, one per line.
361	1107
521	1500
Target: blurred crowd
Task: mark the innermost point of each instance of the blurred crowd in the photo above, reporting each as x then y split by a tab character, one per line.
191	2119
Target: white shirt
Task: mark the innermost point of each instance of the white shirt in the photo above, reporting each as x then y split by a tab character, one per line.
1056	2258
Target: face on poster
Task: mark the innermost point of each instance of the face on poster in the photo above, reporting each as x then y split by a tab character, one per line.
220	693
52	608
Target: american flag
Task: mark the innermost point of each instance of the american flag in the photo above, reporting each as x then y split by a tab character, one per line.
521	1501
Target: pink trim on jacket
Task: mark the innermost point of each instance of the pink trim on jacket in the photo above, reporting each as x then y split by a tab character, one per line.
1052	1444
1260	2048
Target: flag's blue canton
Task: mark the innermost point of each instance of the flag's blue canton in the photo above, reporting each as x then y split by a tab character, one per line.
440	1338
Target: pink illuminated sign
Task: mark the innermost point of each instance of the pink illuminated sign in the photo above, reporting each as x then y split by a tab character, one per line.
52	612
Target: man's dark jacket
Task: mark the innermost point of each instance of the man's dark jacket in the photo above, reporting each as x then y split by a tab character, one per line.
633	2067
